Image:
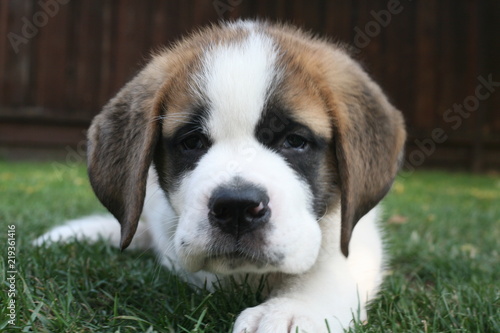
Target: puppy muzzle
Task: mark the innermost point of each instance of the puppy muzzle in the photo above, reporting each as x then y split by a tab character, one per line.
240	209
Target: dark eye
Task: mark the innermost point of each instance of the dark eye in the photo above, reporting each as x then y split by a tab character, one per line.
294	141
193	142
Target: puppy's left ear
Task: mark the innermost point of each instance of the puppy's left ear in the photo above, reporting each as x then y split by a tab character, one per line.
369	140
120	147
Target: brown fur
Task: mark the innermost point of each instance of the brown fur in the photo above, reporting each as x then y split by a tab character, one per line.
122	138
329	92
368	131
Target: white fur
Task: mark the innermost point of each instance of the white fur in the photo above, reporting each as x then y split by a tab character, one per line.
236	80
290	204
89	228
335	288
319	282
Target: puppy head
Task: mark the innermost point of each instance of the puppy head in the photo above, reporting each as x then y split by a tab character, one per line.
257	132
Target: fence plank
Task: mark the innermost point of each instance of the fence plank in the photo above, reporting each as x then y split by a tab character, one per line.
85	57
427	58
51	62
17	85
427	77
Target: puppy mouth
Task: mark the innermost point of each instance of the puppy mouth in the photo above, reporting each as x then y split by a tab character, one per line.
238	256
240	260
234	262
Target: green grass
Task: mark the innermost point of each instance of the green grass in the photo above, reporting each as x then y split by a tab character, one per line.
443	234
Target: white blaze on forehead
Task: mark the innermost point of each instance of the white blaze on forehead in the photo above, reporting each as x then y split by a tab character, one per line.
236	80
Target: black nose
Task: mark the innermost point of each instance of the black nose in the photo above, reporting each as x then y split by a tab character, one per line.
237	210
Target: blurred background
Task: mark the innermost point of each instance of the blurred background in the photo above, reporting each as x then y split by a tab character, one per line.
438	61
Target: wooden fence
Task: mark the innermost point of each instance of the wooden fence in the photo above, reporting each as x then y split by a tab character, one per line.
61	60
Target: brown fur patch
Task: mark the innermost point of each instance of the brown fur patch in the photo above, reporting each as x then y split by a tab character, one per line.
321	85
368	131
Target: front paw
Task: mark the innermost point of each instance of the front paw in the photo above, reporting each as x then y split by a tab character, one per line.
282	315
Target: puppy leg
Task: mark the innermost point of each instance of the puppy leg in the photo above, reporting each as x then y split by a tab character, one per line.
91	229
106	227
322	300
330	296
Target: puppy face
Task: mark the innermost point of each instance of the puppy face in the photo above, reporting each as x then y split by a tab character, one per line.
256	132
242	170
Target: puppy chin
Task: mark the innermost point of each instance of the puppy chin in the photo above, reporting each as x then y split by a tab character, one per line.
297	257
233	264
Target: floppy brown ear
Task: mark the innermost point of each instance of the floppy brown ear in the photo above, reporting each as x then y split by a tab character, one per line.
369	144
120	147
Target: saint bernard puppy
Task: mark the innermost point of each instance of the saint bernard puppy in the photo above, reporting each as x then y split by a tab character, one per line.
250	149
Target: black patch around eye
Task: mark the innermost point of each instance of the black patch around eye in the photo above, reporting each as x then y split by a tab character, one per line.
304	151
294	141
192	142
179	153
190	139
272	126
278	131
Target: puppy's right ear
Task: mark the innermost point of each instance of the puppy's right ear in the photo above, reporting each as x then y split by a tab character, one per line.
121	143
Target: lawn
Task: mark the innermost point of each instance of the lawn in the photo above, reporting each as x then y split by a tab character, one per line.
443	231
